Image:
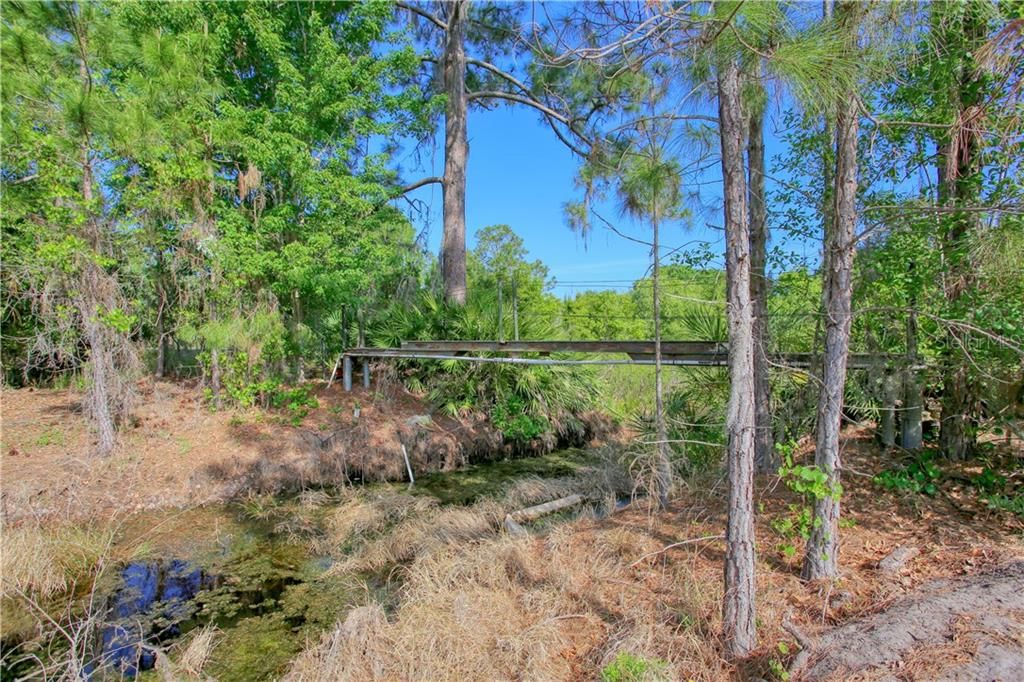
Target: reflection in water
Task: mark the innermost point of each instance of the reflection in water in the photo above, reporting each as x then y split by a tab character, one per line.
153	601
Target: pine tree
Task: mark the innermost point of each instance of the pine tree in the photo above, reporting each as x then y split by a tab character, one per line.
59	113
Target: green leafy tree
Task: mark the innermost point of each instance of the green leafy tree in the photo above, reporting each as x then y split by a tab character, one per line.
59	126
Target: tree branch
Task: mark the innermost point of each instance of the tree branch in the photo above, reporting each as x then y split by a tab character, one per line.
423	13
504	75
420	183
512	97
676	544
565	140
550	114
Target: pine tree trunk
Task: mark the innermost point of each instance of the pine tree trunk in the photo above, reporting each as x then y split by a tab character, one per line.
99	395
300	361
215	377
664	462
957	436
161	337
93	303
738	614
456	153
764	445
911	437
887	418
161	349
821	559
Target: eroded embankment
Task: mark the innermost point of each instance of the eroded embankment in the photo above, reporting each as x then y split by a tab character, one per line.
969	628
178	452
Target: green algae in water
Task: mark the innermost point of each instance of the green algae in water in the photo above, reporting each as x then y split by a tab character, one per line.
256	648
492	479
320	603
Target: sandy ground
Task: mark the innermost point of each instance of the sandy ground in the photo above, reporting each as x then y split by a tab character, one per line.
953	534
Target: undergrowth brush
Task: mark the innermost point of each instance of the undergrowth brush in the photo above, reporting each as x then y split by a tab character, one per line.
525	402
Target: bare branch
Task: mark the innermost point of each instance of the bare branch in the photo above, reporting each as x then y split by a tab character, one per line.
487	66
420	183
528	101
676	544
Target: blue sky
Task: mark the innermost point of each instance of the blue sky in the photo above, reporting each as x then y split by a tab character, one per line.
519	174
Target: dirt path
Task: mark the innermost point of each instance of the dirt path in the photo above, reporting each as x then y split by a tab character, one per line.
969	628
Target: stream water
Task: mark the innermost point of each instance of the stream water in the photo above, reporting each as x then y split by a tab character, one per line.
150	605
255	571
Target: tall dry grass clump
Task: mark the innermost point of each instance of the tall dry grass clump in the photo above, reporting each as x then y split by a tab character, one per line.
417	534
40	562
532	490
50	614
363	515
196	651
532	608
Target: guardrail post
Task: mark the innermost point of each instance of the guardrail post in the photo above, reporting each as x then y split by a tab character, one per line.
887	418
911	436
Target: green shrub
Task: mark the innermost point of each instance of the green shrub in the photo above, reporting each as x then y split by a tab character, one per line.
630	668
298	401
510	417
811	484
525	401
921	475
989	481
1010	503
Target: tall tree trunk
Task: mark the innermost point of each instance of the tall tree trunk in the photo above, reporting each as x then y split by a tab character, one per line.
202	203
456	153
664	463
94	299
821	559
100	396
161	336
738	614
300	361
161	348
958	168
764	445
215	377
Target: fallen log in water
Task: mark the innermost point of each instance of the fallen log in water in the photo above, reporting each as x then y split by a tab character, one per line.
514	520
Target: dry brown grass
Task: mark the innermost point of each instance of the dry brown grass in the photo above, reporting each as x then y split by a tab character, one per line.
196	651
331	658
374	530
42	561
423	533
366	514
533	490
475	605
